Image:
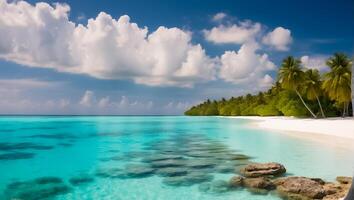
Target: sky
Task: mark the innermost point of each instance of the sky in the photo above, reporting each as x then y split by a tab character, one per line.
157	57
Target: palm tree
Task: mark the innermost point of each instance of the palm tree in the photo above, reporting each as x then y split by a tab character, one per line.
312	87
337	82
291	77
353	91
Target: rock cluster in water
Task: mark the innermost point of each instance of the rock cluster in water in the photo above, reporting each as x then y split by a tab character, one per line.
181	161
13	151
40	188
262	177
185	161
43	188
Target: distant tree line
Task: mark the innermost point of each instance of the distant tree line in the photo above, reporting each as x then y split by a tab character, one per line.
297	92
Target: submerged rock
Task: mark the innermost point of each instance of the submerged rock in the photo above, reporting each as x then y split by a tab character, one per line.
40	188
187	180
217	186
199	154
239	157
16	156
168	163
177	181
300	188
48	180
200	163
111	173
138	170
236	181
263	169
225	168
160	157
6	146
339	190
258	183
121	158
81	179
196	177
172	171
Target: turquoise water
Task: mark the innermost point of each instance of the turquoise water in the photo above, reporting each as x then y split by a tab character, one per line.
125	157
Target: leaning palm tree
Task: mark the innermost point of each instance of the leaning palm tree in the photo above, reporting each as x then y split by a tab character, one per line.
312	87
291	77
337	82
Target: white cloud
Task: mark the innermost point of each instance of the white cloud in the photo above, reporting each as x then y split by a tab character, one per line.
21	99
218	17
266	82
246	66
237	33
42	35
315	62
64	103
105	105
173	107
104	102
19	96
88	99
279	38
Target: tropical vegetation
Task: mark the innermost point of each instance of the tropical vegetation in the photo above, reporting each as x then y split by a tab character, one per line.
297	92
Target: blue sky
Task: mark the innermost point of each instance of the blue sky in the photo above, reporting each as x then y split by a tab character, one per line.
163	58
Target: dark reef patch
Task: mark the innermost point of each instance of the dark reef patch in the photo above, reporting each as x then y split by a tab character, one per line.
53	136
16	156
36	189
6	146
81	179
181	160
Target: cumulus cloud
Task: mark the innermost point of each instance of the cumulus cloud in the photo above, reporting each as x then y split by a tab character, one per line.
236	33
266	82
315	62
25	96
42	35
246	66
63	103
16	97
123	105
104	102
218	17
88	99
279	39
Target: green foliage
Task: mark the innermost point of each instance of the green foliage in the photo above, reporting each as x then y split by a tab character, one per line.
296	93
337	82
267	110
290	75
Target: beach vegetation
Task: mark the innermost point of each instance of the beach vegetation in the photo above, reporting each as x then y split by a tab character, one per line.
298	92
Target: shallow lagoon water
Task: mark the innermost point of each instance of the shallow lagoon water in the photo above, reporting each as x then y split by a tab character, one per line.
144	157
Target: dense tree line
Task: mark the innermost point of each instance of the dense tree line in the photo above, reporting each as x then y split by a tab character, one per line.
297	92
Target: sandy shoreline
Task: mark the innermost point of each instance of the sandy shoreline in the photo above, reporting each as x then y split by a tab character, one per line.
337	127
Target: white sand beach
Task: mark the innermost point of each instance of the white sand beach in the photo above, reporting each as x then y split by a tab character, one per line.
338	127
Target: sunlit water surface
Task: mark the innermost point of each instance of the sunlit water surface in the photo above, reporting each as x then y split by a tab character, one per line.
148	157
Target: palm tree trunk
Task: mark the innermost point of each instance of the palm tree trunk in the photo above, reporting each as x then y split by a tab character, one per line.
319	103
343	115
303	102
353	88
